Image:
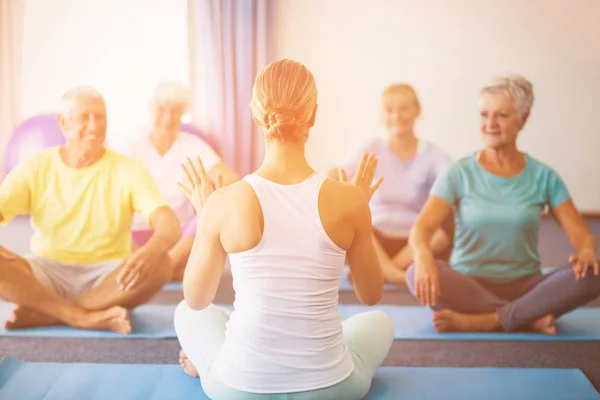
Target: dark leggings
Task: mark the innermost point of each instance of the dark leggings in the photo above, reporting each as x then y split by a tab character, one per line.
519	302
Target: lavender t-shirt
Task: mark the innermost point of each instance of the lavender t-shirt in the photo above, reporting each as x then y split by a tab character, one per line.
406	185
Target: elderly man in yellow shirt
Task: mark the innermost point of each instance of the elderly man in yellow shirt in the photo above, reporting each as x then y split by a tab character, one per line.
82	198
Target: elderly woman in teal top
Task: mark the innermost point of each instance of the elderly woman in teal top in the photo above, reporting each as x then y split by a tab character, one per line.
493	281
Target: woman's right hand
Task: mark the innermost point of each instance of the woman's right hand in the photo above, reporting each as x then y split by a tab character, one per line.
427	281
198	187
365	172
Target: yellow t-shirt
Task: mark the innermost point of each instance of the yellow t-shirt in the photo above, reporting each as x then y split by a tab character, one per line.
80	215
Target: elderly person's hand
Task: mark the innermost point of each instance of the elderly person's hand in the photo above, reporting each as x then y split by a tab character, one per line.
139	265
427	281
583	261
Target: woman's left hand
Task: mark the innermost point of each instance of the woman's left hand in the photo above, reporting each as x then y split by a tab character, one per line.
198	187
583	261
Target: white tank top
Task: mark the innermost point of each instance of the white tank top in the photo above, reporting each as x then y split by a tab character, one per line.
285	333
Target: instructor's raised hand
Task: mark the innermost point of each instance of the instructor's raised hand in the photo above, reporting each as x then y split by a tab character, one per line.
365	172
198	186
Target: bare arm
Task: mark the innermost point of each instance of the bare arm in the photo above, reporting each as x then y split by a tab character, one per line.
167	230
439	243
429	222
207	258
362	257
574	225
15	193
181	251
580	237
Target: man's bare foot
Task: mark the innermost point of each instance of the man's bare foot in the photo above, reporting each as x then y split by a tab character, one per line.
23	318
545	325
187	365
114	319
452	321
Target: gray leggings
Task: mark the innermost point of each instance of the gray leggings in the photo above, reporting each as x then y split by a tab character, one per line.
519	302
369	336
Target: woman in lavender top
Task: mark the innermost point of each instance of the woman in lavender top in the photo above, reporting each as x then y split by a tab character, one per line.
409	166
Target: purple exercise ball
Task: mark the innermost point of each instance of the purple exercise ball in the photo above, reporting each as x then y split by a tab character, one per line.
31	137
188	128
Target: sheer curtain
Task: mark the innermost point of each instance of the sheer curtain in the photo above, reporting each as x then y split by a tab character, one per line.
229	44
11	41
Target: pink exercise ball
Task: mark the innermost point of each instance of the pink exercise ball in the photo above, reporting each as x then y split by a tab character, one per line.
31	137
188	128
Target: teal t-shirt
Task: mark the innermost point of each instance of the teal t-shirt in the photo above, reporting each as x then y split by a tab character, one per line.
497	220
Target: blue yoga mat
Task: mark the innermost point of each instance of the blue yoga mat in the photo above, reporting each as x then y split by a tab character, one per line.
150	321
64	381
155	321
344	283
415	323
173	287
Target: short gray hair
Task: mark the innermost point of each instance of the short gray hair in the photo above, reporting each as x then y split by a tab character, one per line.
517	88
73	95
172	92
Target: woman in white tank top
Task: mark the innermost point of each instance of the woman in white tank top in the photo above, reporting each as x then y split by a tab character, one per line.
288	231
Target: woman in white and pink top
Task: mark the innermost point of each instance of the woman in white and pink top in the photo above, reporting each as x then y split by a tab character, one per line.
287	230
162	148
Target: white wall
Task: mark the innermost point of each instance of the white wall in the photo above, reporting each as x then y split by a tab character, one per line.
447	50
122	47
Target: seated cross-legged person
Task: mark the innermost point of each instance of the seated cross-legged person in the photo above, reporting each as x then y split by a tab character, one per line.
494	280
409	166
162	148
82	198
287	230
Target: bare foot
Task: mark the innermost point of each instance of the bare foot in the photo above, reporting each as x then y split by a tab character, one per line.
545	325
23	317
452	321
187	365
114	319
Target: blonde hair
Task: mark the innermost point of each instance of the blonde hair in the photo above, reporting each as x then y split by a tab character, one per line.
399	88
172	92
517	88
284	98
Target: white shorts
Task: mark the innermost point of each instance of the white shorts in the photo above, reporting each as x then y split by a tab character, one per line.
70	280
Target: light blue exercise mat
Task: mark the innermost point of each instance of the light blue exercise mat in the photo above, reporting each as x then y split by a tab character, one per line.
155	321
415	323
68	381
344	283
150	321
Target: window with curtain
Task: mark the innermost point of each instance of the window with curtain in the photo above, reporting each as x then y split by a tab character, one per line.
229	44
11	42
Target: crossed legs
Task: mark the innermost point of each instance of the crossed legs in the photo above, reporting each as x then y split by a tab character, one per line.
104	307
532	302
368	335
